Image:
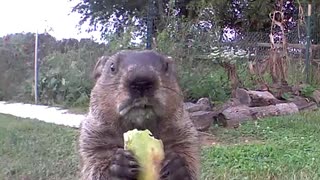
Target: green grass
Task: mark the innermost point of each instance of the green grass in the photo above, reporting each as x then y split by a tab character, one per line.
34	150
274	148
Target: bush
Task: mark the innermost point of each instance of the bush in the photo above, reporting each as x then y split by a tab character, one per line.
211	83
65	77
198	55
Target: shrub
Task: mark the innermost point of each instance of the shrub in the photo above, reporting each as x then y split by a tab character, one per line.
65	77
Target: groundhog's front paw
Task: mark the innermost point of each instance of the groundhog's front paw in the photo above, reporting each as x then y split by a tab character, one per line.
174	167
124	166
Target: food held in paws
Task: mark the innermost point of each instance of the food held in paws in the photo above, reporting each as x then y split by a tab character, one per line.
148	151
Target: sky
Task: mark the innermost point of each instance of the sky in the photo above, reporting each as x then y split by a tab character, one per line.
18	16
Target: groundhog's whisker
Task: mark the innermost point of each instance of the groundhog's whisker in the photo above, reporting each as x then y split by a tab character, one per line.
171	89
110	85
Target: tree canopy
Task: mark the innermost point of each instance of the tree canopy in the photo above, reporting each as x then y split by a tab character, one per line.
240	15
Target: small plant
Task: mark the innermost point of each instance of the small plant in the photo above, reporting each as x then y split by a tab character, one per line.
307	90
286	95
210	83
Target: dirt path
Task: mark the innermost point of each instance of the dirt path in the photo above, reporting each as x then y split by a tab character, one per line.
207	139
43	113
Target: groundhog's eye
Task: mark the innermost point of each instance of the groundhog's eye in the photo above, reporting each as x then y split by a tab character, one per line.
112	67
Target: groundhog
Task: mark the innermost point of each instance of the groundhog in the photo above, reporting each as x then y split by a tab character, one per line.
137	90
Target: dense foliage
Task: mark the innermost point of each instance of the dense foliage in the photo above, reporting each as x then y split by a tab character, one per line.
196	33
64	68
239	15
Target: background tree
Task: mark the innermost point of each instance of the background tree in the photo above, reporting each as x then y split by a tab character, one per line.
238	15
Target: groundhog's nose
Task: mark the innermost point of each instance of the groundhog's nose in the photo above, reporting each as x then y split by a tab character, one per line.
142	86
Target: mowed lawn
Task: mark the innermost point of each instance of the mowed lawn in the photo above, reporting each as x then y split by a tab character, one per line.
34	150
273	148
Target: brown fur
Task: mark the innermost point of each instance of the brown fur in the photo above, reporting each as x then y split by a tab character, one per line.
101	133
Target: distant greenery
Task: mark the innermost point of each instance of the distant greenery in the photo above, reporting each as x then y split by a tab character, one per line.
65	69
192	32
274	148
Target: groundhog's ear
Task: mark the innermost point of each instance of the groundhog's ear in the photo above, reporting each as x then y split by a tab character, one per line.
170	60
99	67
172	64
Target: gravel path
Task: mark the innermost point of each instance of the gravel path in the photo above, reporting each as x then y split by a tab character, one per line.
43	113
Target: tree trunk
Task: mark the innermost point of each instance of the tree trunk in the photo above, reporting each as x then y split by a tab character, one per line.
303	104
233	116
256	98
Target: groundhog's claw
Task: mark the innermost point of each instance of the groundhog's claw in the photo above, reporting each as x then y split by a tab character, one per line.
124	166
174	167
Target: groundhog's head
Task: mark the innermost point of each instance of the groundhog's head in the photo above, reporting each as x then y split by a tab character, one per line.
135	89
